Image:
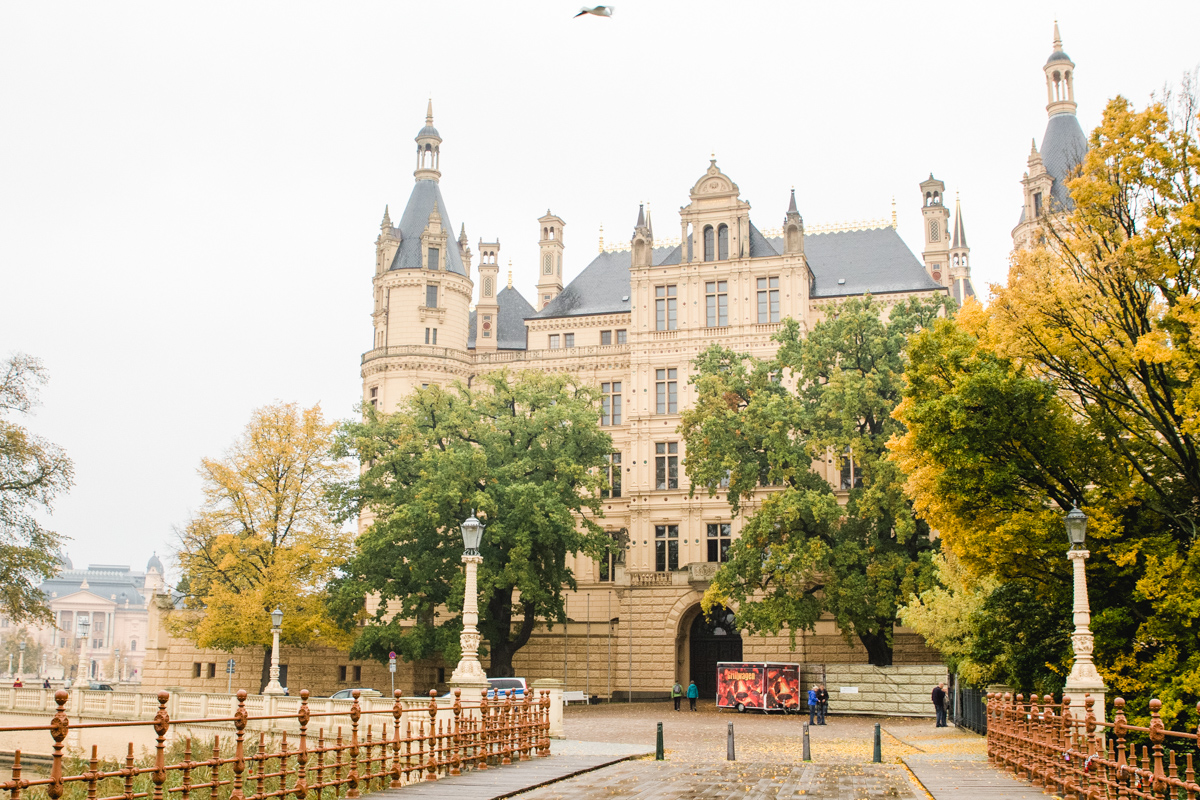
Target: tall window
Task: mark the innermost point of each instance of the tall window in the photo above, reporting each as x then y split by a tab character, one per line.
433	258
668	395
605	337
851	477
375	397
664	307
710	251
716	298
768	299
666	547
719	538
431	295
723	243
610	403
554	341
613	473
568	340
431	339
666	465
621	337
1037	204
607	565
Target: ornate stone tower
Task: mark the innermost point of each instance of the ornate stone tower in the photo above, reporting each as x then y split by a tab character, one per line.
936	218
1064	146
717	221
429	150
487	310
550	259
793	229
642	243
960	266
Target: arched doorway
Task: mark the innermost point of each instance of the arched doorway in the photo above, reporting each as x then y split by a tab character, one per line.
712	640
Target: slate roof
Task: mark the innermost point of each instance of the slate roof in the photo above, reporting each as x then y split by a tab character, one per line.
514	309
1063	147
876	261
961	290
603	286
103	580
412	225
1058	55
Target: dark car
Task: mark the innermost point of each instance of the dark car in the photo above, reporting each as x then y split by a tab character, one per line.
100	687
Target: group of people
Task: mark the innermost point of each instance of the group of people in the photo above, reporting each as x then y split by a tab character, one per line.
818	704
692	693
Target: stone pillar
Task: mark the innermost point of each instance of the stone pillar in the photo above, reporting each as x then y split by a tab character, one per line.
555	686
1084	679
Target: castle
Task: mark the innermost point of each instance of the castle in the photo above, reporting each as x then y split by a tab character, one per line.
630	323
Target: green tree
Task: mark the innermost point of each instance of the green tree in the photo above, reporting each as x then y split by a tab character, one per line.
825	398
1077	384
33	472
523	452
11	646
264	538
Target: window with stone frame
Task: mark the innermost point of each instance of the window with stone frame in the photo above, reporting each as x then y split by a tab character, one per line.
716	299
666	391
612	475
665	307
610	403
666	465
431	295
621	337
720	536
568	340
605	337
554	341
851	478
768	299
666	548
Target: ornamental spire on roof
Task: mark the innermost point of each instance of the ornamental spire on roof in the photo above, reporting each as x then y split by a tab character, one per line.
1057	40
649	222
429	109
641	221
792	205
960	232
387	219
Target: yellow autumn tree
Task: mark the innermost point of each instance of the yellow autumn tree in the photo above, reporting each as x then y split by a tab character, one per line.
264	538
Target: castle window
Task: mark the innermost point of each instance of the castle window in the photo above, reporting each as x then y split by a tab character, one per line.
666	387
768	299
568	340
433	259
850	477
666	465
717	300
196	667
342	674
719	539
610	403
212	670
431	295
431	336
374	397
613	473
664	307
1037	204
710	251
666	548
723	243
605	337
358	674
621	337
133	645
554	341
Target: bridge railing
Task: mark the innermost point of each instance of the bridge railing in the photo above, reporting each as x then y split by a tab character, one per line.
401	745
1067	751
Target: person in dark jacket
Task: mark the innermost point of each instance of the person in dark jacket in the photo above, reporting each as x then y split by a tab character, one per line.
939	705
692	693
822	703
676	693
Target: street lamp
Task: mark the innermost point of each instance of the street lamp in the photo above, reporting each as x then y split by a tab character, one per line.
21	660
469	671
117	664
81	672
1084	679
273	686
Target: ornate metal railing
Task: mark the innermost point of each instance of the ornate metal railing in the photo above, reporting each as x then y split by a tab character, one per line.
406	746
1070	752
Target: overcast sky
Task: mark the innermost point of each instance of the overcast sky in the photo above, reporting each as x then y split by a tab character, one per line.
189	193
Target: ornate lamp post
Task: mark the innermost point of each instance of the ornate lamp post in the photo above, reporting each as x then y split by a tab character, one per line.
1084	679
81	672
273	686
117	664
21	660
469	671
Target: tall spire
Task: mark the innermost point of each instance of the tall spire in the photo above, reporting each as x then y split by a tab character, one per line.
641	221
1057	42
429	147
792	205
960	232
429	109
387	219
649	222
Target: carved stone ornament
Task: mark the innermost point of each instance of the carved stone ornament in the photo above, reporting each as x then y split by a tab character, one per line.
1082	642
469	642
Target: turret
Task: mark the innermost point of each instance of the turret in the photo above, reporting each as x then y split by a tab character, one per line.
550	259
793	229
937	229
429	145
642	243
960	266
487	310
1060	79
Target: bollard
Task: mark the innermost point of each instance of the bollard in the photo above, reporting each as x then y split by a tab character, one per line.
658	748
807	750
877	757
729	755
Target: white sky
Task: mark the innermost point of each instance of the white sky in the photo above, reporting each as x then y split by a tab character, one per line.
189	193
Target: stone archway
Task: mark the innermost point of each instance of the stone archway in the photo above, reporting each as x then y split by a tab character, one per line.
711	640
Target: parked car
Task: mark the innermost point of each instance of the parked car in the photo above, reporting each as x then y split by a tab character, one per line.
100	687
347	694
503	685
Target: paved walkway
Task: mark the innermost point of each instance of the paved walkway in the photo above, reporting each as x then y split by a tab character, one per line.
953	776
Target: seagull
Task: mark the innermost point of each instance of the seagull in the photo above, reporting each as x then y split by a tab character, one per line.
599	11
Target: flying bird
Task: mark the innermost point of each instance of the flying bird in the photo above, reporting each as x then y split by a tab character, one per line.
599	11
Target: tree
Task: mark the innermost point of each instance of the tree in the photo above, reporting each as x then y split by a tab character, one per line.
524	453
824	398
1077	385
11	646
33	472
264	538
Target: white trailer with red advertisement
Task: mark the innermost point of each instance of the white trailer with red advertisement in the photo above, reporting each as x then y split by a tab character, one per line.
758	685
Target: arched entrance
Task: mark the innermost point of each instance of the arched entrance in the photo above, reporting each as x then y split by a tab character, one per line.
712	640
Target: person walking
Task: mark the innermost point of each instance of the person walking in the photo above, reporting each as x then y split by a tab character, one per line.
46	683
939	705
692	694
812	704
822	703
676	694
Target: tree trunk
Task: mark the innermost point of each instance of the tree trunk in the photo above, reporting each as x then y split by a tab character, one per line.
879	649
266	670
502	645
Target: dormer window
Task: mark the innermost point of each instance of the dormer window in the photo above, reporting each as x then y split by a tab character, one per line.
1037	204
723	243
710	250
433	262
431	295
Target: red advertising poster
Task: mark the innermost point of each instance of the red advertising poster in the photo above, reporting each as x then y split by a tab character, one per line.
783	686
740	686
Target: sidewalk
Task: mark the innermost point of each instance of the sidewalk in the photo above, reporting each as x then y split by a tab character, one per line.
567	758
952	776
